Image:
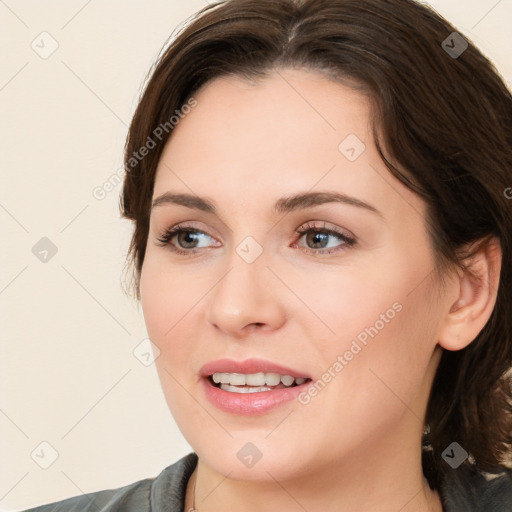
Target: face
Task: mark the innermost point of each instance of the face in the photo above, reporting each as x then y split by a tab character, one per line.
338	292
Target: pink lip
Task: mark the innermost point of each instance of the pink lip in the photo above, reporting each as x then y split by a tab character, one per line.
249	404
248	366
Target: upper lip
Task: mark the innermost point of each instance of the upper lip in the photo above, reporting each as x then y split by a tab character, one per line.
248	366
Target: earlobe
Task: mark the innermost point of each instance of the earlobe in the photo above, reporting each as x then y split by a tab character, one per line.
477	291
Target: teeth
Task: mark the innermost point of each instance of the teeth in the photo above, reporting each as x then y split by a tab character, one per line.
272	379
257	380
237	389
237	379
287	380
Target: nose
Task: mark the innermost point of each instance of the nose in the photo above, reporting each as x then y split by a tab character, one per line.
248	297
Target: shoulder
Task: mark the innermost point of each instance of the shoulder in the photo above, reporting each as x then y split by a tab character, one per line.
146	495
468	490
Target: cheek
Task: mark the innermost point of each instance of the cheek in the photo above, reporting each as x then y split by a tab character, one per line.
170	302
167	296
380	313
377	361
164	300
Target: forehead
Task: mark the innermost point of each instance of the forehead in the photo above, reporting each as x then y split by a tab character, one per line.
286	104
276	125
264	139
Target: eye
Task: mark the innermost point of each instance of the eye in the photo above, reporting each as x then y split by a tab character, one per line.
319	236
189	237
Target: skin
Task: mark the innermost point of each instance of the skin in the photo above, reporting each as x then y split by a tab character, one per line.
356	445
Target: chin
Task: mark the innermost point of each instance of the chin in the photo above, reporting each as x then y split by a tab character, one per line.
252	457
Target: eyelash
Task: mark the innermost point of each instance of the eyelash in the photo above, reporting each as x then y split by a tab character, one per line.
166	237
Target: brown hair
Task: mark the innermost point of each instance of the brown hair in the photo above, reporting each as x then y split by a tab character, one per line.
445	119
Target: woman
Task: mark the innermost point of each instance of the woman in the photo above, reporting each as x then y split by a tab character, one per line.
322	248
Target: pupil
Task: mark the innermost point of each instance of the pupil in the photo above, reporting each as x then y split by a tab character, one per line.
318	235
190	237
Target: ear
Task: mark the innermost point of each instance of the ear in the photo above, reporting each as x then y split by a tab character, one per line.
477	288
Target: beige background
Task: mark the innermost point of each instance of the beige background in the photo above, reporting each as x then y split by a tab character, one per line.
69	374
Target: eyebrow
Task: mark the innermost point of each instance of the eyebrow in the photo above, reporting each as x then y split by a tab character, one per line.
283	205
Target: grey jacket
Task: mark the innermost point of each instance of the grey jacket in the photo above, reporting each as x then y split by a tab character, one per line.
463	491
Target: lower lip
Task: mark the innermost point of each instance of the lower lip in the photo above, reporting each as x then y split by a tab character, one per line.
249	404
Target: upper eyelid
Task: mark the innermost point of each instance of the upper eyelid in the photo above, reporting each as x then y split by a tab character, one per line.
327	226
304	228
160	205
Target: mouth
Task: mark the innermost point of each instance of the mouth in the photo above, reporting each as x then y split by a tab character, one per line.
251	387
254	382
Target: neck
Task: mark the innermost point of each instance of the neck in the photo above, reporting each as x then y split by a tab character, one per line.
385	477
